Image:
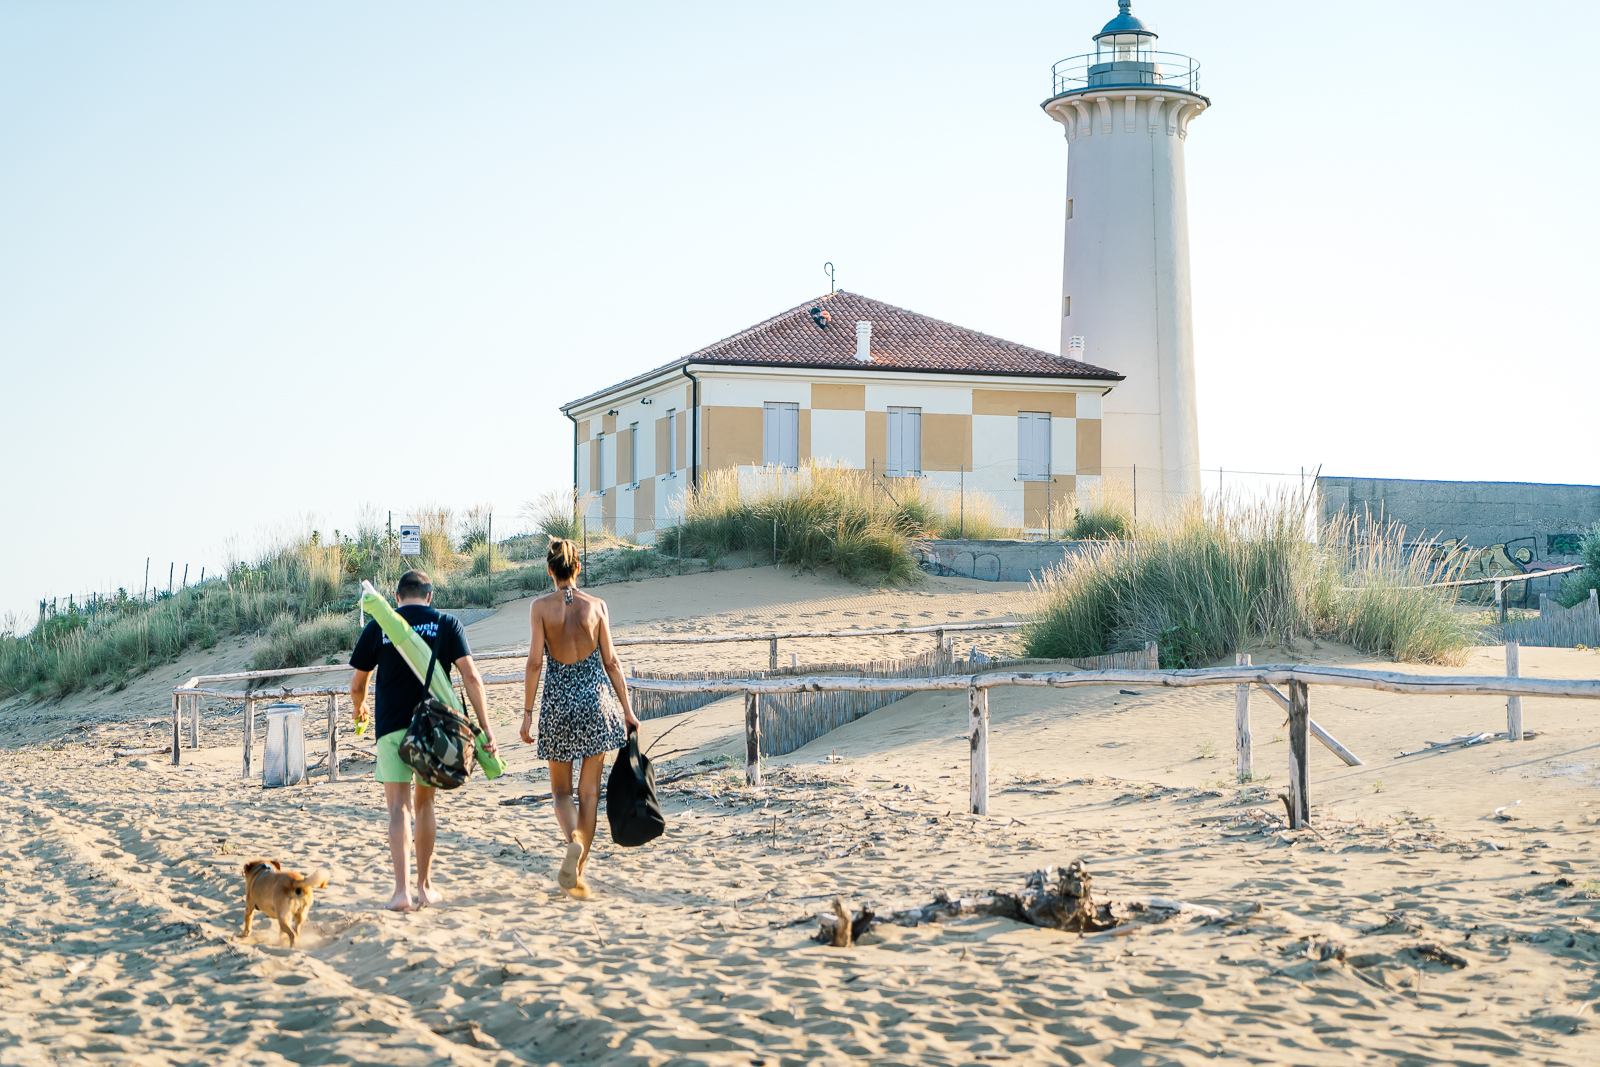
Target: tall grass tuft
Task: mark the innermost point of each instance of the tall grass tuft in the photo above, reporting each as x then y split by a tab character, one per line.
301	644
555	514
816	517
1222	575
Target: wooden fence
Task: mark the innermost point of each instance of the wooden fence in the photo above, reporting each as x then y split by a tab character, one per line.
790	721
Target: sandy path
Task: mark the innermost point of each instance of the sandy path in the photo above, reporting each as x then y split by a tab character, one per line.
120	894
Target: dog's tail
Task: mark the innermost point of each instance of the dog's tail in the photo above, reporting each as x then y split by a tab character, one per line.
317	879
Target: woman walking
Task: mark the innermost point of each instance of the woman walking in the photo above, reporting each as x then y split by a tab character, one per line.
579	720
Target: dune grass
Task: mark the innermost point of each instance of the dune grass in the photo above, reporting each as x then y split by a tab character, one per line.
817	518
300	594
1224	575
1575	586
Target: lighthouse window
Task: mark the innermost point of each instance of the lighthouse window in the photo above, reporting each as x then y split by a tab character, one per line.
1069	207
1066	306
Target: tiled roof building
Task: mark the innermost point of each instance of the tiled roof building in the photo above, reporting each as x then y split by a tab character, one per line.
853	382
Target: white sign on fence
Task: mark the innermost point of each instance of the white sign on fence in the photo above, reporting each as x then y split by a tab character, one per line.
411	540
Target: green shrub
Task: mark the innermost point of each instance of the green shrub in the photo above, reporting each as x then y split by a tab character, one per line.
301	644
486	559
1576	585
1221	576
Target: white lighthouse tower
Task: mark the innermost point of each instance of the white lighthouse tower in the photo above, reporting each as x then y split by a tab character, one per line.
1125	287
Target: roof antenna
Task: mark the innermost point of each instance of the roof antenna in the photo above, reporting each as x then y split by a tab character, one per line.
827	268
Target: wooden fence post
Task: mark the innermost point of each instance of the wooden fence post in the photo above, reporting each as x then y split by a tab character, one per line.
177	727
1152	653
249	732
1500	600
752	738
194	722
1299	751
1241	722
772	655
1513	704
978	715
938	645
333	737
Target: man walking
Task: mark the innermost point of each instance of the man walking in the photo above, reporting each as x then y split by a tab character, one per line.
399	693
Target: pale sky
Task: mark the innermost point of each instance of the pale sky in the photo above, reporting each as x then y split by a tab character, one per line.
265	263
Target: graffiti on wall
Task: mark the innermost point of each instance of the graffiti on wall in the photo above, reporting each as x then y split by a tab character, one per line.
1515	557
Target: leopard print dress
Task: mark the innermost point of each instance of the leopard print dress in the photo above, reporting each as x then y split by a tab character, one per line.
579	715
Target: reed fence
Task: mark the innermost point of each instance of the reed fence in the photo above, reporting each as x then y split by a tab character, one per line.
1558	627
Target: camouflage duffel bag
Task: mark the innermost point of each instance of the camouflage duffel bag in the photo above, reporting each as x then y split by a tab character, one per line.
438	745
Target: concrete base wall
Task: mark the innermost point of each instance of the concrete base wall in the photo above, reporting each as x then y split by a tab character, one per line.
1511	527
994	561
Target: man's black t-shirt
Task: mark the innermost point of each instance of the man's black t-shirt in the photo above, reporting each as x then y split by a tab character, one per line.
399	690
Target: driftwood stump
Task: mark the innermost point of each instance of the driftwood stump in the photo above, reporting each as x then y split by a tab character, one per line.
1057	898
841	931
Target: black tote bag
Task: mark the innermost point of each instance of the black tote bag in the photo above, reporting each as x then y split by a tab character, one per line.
631	805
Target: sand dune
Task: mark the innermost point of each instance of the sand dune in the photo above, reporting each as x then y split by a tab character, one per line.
120	894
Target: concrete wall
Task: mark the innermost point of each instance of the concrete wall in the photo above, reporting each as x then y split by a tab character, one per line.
994	561
1512	527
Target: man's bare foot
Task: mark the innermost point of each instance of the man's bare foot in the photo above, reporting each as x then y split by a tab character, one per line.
567	877
579	890
401	901
428	895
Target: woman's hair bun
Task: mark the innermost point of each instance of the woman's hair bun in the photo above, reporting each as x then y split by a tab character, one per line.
562	558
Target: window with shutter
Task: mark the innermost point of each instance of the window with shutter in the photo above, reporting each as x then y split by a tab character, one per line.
1033	446
780	424
905	442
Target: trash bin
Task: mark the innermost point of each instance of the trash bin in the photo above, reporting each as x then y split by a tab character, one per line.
285	760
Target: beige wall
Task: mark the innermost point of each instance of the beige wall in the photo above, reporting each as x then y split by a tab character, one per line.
732	437
1038	496
683	437
1089	446
583	432
594	465
878	441
644	506
663	453
946	442
1011	401
839	397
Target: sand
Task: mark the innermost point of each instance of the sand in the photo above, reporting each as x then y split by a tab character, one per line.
121	897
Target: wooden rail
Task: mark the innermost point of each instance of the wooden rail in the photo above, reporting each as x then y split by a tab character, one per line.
1298	678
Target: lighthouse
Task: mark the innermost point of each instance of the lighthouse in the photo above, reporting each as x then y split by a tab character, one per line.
1126	110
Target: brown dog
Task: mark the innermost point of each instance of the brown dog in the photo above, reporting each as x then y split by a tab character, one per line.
280	894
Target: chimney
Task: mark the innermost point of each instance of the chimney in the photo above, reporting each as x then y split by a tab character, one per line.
864	342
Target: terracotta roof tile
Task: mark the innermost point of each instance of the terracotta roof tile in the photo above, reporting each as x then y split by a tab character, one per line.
901	340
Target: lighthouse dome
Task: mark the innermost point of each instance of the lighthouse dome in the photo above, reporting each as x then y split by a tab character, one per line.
1125	23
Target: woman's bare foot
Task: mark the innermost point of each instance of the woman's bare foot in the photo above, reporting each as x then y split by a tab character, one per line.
579	890
401	901
568	875
428	895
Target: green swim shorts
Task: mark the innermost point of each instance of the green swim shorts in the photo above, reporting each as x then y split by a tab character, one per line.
391	768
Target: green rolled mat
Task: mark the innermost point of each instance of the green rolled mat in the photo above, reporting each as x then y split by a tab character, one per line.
412	648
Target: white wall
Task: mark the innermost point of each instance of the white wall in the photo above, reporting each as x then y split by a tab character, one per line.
753	392
994	444
932	399
839	436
